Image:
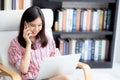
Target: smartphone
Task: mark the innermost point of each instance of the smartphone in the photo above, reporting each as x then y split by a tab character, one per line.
26	24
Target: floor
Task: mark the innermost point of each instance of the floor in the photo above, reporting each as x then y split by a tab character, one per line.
107	74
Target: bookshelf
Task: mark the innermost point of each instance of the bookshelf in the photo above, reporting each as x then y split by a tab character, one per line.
108	34
15	4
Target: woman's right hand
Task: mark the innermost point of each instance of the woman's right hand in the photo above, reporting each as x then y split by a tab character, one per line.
27	34
25	62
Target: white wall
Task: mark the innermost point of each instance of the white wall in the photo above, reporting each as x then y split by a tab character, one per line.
117	39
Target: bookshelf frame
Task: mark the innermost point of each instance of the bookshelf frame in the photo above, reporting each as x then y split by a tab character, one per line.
113	4
111	1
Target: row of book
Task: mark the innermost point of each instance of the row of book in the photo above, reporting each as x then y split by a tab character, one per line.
75	20
90	49
15	4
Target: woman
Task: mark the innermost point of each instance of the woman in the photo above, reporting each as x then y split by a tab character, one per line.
27	51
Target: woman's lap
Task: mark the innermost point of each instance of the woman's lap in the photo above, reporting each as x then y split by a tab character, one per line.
76	75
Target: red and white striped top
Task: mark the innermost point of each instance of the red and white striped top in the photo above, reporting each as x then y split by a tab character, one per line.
16	52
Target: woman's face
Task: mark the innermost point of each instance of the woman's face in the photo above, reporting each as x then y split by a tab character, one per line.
35	26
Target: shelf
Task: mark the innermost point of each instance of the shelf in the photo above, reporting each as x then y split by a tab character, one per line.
83	33
99	64
107	1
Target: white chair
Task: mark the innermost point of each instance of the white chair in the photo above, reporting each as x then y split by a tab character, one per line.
9	22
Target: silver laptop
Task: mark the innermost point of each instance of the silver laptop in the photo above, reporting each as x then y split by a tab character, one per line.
60	64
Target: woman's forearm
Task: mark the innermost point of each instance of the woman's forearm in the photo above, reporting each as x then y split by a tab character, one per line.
25	62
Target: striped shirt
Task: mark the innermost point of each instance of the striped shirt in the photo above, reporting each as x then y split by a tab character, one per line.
16	52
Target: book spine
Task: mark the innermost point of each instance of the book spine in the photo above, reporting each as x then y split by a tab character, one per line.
74	20
98	20
61	42
56	26
60	20
81	20
78	19
64	15
103	49
84	20
108	19
96	50
89	49
105	19
7	4
20	4
101	20
89	13
94	22
92	49
13	4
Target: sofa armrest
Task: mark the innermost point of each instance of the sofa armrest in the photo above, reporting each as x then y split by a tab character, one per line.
86	70
4	71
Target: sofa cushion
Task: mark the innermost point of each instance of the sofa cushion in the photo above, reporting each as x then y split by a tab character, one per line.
5	38
10	19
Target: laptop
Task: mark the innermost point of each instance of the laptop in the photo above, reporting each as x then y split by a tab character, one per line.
59	64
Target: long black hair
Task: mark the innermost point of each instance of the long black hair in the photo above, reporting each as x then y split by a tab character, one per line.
29	15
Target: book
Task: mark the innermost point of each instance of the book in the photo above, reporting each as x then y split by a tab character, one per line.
94	20
77	47
96	50
72	44
92	49
103	49
101	20
86	50
64	17
98	20
108	19
81	20
56	26
107	51
66	47
74	20
60	20
84	20
17	4
69	20
105	19
78	16
61	43
100	49
21	4
83	49
13	4
27	4
7	4
90	46
89	15
80	42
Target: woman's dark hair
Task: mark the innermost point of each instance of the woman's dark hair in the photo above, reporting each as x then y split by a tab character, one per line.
29	15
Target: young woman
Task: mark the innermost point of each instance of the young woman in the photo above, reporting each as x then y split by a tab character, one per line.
28	49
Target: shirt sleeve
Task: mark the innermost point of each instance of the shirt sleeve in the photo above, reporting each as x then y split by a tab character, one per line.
52	47
14	54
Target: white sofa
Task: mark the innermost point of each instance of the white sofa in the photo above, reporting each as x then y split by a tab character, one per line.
9	22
